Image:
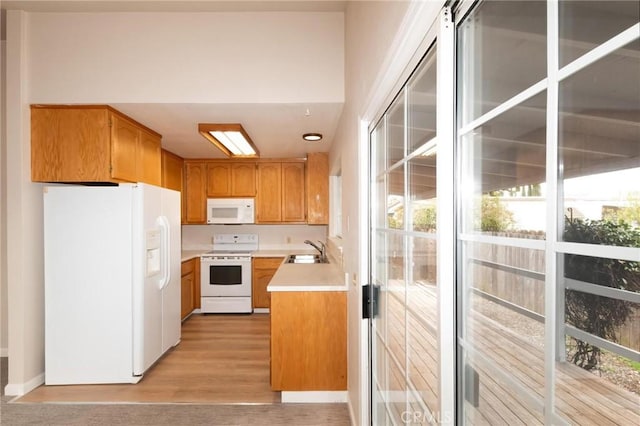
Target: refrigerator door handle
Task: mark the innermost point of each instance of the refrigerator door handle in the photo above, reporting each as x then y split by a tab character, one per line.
165	230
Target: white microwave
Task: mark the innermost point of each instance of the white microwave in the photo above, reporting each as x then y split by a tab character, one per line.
230	210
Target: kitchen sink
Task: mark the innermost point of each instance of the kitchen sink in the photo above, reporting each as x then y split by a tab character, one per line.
305	258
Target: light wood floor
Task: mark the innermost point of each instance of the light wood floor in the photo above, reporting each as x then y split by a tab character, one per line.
221	359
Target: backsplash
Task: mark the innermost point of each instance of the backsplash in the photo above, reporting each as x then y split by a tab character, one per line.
270	237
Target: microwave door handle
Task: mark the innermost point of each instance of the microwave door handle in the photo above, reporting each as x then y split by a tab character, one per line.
165	245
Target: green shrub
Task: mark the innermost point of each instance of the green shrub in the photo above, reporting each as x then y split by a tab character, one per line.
599	315
493	216
424	219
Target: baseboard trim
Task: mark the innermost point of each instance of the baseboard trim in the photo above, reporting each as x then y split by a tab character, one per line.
19	389
4	352
313	396
260	310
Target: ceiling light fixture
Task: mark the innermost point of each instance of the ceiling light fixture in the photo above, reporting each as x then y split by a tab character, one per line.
312	137
230	138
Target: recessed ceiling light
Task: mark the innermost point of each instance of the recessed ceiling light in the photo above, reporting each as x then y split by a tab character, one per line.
312	137
230	138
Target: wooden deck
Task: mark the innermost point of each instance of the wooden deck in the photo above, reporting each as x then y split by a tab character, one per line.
582	397
221	359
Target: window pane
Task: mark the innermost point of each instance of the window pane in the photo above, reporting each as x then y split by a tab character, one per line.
423	360
395	198
503	321
397	393
396	258
599	134
381	382
379	148
498	403
396	325
422	321
503	166
611	315
503	52
395	131
379	248
422	193
507	284
422	103
512	274
380	209
586	24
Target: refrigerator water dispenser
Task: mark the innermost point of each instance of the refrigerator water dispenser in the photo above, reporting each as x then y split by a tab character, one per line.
153	252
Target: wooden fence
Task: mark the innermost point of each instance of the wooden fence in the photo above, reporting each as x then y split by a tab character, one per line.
513	274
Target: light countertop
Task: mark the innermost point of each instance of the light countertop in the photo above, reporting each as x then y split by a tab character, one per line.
282	252
190	254
308	277
295	276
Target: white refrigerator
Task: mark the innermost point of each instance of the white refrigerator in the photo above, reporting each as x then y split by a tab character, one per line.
112	281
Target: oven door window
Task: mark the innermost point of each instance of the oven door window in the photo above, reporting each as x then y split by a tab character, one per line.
225	275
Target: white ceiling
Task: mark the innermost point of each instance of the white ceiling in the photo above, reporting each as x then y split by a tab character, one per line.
276	129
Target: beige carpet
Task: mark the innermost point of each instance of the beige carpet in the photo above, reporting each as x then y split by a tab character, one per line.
17	414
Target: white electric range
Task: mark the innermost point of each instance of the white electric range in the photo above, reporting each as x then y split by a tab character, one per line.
225	274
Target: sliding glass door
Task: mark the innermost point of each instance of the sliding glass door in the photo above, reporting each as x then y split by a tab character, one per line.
549	237
405	355
543	145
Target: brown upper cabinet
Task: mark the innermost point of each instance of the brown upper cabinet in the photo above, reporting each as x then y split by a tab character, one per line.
172	166
172	171
318	188
281	192
195	192
91	143
269	197
286	190
293	193
149	159
231	179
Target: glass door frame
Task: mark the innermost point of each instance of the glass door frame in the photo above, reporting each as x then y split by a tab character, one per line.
441	33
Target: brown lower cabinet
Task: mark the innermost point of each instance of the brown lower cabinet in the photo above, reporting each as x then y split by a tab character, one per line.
308	340
263	269
190	287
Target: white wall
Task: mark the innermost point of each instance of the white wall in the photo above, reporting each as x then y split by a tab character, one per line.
24	223
198	237
186	57
4	332
373	68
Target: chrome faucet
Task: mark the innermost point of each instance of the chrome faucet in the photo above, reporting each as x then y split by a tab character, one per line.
321	249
